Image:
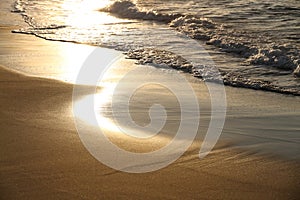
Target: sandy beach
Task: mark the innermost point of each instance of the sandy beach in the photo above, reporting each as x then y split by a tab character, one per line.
42	156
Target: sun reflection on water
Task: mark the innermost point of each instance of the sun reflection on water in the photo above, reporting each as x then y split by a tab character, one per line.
86	13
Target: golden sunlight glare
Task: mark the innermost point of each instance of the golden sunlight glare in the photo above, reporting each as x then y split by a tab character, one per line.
86	13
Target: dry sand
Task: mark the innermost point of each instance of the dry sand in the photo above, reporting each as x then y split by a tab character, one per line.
42	156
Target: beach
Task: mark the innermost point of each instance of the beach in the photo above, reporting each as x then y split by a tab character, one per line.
43	157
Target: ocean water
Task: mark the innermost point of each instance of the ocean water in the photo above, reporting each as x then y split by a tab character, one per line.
253	44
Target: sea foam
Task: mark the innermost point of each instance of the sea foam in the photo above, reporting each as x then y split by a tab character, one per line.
228	40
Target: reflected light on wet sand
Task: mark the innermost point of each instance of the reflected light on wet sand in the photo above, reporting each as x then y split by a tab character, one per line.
73	57
35	57
100	99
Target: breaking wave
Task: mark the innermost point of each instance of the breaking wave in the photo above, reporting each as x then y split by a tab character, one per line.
228	40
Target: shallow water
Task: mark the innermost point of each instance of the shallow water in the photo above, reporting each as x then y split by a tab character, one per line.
257	122
253	44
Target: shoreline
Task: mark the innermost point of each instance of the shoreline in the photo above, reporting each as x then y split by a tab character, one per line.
43	157
238	84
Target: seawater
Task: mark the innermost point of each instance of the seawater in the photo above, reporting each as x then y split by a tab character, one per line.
254	44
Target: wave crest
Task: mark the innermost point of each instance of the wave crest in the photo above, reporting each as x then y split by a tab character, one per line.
127	9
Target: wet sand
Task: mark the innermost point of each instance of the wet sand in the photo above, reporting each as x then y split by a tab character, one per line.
42	156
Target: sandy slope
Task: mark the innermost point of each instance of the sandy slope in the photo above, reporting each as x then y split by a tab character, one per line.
42	158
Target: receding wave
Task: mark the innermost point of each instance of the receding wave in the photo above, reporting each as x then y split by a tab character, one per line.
264	62
162	58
